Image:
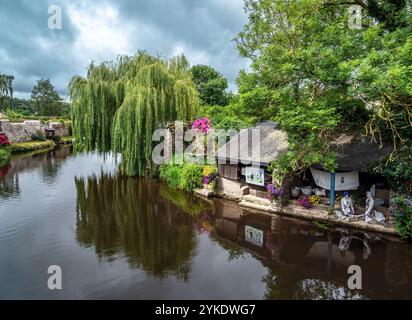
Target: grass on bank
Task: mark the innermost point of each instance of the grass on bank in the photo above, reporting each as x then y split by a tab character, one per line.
4	155
66	140
31	146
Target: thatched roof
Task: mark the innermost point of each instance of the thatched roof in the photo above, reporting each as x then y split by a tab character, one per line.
272	143
354	152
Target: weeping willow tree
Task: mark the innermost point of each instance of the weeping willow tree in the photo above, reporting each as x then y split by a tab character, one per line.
6	91
119	105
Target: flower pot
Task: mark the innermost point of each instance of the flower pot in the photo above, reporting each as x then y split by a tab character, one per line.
295	192
307	191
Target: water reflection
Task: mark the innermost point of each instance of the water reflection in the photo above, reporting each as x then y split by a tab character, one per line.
155	242
118	215
48	161
306	261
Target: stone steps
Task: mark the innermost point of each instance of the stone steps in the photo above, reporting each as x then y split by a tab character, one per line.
257	200
256	206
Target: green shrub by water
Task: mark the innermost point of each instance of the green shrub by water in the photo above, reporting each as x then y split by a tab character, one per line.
186	176
39	136
403	216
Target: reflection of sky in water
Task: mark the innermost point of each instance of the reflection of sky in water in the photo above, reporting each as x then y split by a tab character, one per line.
38	228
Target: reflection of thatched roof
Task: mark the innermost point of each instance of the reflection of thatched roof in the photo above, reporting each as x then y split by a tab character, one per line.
355	152
240	147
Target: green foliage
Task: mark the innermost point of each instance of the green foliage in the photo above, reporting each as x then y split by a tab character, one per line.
186	176
46	100
39	136
403	216
317	77
31	146
4	155
15	115
227	117
57	139
119	105
211	85
191	177
399	171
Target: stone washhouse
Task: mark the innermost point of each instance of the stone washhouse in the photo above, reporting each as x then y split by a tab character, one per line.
243	175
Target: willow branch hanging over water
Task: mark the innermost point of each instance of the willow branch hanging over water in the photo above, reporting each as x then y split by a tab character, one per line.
119	105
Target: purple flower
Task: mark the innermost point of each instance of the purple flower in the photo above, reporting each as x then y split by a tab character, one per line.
304	202
273	192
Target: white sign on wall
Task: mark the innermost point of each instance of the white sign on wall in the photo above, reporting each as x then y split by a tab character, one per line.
255	176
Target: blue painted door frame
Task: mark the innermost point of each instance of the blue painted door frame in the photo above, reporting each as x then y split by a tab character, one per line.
332	190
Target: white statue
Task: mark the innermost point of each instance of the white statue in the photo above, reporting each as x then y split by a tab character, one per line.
371	214
346	205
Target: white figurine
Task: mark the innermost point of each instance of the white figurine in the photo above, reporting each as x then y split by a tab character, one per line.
347	205
371	214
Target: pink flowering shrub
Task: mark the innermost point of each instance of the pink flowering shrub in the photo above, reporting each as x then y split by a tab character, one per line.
204	125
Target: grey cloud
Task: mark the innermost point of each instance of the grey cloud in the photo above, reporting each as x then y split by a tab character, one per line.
203	29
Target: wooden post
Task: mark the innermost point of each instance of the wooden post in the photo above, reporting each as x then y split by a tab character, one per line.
332	190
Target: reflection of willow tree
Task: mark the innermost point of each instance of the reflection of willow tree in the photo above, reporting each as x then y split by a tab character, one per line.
9	183
117	214
188	203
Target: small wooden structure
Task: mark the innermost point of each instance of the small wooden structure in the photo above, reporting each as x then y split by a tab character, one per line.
247	155
49	132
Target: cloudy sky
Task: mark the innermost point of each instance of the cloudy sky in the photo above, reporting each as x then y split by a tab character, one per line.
100	30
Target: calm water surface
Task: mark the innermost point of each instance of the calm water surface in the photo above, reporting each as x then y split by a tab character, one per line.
116	237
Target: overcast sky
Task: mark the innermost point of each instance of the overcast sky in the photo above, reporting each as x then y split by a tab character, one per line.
100	30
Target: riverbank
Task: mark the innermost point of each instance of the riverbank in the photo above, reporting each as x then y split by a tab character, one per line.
319	213
20	147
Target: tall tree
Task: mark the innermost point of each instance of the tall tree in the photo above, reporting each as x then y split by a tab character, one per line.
47	102
119	105
318	77
211	85
6	91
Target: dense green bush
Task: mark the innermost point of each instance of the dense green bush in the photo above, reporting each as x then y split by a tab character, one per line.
186	176
39	136
403	215
227	117
398	171
4	155
191	177
57	139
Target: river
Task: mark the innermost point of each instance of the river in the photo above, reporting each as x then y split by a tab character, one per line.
125	238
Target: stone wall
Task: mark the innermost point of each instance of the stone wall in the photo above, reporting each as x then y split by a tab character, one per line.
21	132
230	188
60	129
24	132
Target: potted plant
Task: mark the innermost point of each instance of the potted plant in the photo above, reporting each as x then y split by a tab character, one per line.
275	196
209	177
